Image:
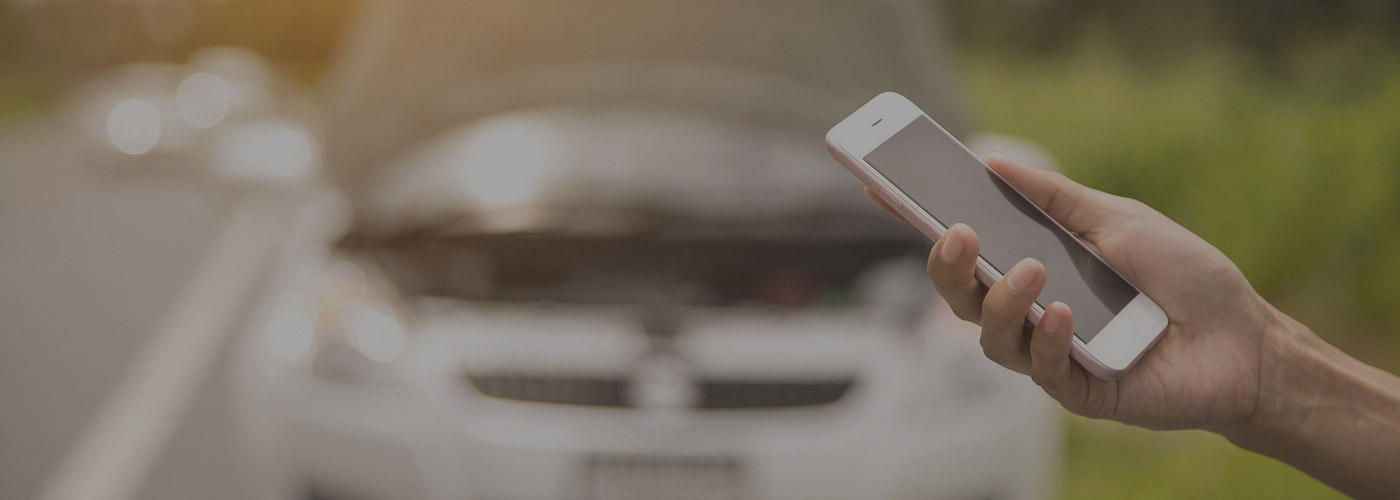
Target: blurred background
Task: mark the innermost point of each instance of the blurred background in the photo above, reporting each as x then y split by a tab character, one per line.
432	249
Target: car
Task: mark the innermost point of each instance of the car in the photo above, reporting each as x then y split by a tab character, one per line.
598	251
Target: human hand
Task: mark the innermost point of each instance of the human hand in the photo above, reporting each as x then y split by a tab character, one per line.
1204	372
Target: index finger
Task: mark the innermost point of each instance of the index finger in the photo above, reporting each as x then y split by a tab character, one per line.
1079	208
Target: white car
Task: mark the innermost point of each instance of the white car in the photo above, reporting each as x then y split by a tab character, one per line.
651	292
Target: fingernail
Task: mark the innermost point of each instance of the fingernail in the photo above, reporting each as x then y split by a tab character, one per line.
953	246
1051	322
1020	278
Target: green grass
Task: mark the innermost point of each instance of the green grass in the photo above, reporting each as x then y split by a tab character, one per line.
1294	174
1110	460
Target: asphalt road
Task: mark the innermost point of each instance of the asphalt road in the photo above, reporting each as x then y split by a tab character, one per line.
92	254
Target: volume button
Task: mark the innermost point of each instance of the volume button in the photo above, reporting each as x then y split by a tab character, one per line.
891	199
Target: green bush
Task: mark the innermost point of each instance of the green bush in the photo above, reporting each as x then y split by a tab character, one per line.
1295	178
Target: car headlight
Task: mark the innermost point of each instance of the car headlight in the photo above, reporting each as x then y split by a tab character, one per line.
343	328
375	333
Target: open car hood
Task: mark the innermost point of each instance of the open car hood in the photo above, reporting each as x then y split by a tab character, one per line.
414	69
592	168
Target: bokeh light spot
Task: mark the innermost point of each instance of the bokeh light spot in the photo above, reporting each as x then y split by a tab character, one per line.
274	151
202	99
134	126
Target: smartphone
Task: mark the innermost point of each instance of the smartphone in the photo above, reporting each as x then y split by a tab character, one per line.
934	181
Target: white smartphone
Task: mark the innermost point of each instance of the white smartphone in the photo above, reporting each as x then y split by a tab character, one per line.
934	182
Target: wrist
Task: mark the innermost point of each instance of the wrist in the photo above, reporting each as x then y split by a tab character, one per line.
1323	412
1294	367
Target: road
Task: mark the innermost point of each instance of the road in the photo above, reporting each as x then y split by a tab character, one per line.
93	253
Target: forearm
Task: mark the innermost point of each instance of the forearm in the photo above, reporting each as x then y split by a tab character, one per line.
1326	414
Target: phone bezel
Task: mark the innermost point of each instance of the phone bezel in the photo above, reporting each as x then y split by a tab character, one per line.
1114	349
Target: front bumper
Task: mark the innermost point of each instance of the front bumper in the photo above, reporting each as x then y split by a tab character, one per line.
447	442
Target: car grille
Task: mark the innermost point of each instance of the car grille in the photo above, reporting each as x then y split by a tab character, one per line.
737	395
558	390
612	392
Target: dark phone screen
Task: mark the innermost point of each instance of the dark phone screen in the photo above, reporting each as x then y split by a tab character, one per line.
953	186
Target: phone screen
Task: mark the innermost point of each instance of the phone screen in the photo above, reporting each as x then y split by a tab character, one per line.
953	186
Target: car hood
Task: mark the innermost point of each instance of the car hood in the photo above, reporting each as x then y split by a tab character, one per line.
412	69
598	167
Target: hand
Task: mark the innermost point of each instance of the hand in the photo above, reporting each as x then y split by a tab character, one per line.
1205	370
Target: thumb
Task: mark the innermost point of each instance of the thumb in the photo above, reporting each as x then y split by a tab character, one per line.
1078	208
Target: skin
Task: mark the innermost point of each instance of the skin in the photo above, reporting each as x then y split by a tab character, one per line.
1229	362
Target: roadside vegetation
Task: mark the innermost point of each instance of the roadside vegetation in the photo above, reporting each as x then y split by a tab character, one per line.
1291	169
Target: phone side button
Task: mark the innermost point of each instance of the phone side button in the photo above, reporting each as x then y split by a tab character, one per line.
891	199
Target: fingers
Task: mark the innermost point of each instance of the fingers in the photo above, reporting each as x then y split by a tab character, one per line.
952	265
1049	346
1004	315
884	205
1079	208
